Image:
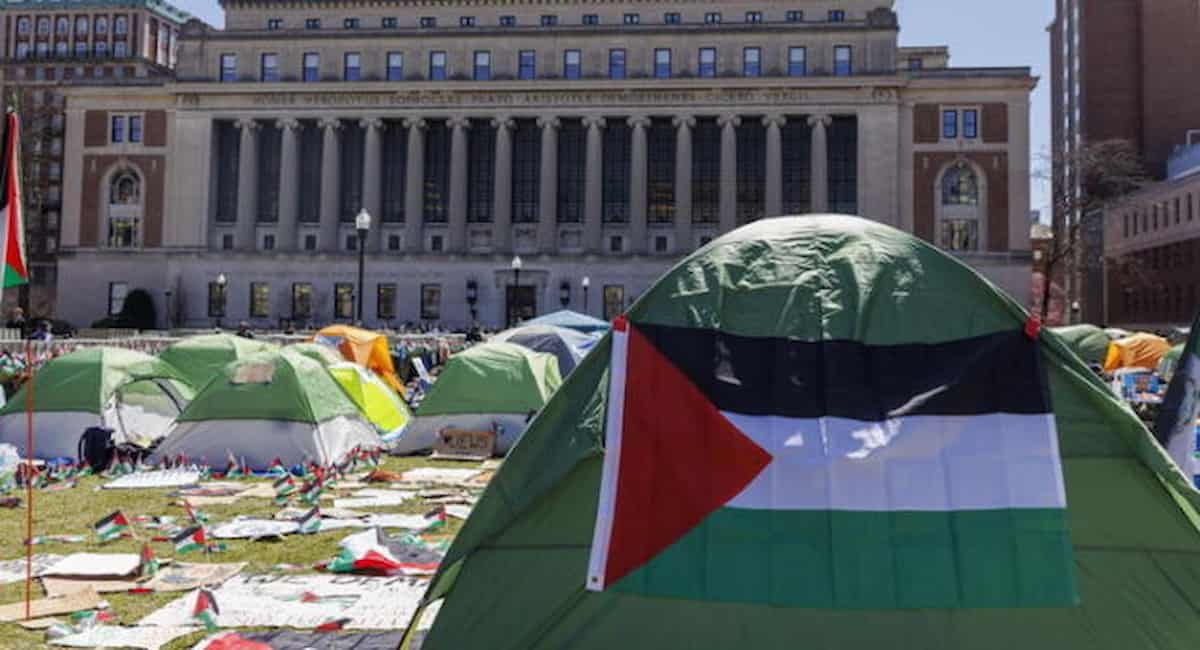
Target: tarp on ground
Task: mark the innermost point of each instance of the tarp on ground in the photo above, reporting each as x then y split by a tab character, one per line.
364	347
571	320
568	346
516	576
1139	350
135	394
375	400
266	406
1087	341
200	358
494	386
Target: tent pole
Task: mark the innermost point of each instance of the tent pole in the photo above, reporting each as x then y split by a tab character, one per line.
28	476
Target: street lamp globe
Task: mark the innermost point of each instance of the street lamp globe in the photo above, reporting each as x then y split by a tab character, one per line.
363	220
221	279
586	282
516	263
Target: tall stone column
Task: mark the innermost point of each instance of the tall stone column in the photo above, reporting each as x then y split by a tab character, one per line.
683	181
502	187
637	181
548	186
593	189
414	184
372	190
289	183
819	182
456	242
331	195
728	124
247	200
774	198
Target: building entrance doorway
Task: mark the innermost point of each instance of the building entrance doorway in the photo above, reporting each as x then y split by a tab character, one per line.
521	304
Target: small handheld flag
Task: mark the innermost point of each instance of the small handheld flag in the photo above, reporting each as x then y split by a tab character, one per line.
311	521
192	539
149	563
205	610
436	518
111	527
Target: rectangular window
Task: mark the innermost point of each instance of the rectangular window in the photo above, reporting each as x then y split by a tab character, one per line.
302	301
312	67
343	300
662	63
483	65
393	242
466	21
385	301
268	242
437	66
712	18
395	66
949	124
633	19
310	242
389	22
116	297
260	300
274	24
352	67
117	132
797	61
269	67
754	16
837	15
751	62
527	64
351	23
843	60
549	20
508	21
616	64
81	49
591	19
135	128
794	16
428	21
312	23
227	242
431	302
120	49
216	300
916	63
708	62
101	49
572	62
671	18
614	301
228	67
970	125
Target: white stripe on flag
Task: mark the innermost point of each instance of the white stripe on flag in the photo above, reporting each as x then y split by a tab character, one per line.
922	463
612	461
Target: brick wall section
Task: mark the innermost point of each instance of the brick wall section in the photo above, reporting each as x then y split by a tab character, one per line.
1163	284
156	129
927	126
95	128
1171	59
995	123
1111	50
927	166
91	213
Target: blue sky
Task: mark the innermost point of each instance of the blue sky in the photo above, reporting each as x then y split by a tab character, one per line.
979	33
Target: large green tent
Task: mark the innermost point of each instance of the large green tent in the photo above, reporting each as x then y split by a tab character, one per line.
515	576
1087	341
492	386
132	393
326	355
200	358
265	406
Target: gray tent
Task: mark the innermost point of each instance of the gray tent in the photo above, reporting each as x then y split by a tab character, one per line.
568	346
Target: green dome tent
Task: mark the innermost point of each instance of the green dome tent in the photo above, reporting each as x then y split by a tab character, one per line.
923	554
1087	341
200	358
265	406
488	386
134	394
326	355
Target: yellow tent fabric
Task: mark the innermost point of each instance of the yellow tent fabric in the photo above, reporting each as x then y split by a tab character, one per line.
1136	351
377	401
366	348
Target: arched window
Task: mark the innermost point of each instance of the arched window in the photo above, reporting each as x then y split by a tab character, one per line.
960	215
43	25
81	25
101	25
23	25
120	26
125	210
62	25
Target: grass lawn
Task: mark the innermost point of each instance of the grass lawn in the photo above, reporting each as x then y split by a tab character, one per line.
74	511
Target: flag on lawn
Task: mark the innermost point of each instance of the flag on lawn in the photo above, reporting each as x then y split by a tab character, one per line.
312	492
368	553
277	469
85	469
191	539
311	521
149	562
786	472
1175	425
111	527
233	470
205	610
436	518
197	516
11	208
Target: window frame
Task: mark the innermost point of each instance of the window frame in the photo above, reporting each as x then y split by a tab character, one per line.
481	72
700	64
548	20
950	129
274	24
712	18
427	22
343	300
662	70
618	63
312	23
302	293
134	129
438	72
263	75
393	71
356	68
526	70
431	301
752	68
794	16
305	68
226	74
351	22
389	22
217	300
380	289
117	129
507	21
970	124
672	18
591	19
794	68
837	15
467	21
754	17
631	18
572	71
838	70
254	290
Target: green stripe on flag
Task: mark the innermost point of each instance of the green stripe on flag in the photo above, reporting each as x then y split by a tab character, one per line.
868	560
13	277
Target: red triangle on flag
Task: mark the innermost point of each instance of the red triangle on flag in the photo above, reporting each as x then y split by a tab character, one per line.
680	459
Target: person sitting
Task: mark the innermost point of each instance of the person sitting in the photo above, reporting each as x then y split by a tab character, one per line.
244	330
42	332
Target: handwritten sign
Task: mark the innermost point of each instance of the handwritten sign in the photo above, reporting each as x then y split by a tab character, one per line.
460	444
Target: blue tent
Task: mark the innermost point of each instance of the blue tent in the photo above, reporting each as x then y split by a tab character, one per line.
571	320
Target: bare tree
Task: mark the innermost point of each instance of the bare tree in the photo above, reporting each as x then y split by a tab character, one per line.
1096	177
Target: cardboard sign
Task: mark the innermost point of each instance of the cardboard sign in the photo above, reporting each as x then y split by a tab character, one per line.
73	602
96	565
14	570
113	636
165	478
460	444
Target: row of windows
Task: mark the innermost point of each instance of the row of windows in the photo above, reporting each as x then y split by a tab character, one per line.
552	20
482	68
964	122
120	50
125	128
62	25
1159	215
1160	302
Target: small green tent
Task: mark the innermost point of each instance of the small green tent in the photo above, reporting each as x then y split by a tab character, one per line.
493	386
266	406
1087	341
517	575
134	394
200	358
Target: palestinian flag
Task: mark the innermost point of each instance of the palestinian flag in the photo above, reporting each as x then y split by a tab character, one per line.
312	492
233	470
196	516
332	625
205	611
111	527
436	518
311	521
831	473
15	272
1175	425
369	553
277	469
191	539
149	563
85	469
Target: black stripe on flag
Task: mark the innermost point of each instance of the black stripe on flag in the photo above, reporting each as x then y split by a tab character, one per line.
7	158
996	373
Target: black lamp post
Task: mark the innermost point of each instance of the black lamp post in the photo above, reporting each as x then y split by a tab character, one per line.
564	293
472	298
362	223
516	267
586	282
222	281
167	318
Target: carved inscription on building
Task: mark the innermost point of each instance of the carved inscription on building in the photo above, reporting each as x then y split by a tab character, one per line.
438	98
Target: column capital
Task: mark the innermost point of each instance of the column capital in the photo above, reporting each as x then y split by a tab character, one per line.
549	122
503	122
247	123
417	123
288	123
368	123
459	122
330	123
729	119
823	120
683	121
594	121
774	119
638	121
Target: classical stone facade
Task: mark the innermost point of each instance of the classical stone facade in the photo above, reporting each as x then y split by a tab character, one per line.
599	140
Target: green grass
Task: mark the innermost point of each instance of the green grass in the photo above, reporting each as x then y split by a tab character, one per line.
74	511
